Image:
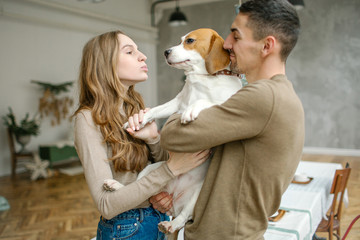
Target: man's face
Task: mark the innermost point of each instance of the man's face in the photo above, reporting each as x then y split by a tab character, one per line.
244	51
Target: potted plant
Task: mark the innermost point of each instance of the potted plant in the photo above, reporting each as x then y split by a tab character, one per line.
24	130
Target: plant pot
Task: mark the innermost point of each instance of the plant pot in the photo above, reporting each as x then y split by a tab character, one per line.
23	140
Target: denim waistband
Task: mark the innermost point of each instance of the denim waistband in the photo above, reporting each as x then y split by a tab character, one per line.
138	213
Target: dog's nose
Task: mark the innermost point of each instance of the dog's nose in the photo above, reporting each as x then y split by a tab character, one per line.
167	52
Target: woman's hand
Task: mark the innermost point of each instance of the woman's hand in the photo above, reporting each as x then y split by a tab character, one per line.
149	133
180	163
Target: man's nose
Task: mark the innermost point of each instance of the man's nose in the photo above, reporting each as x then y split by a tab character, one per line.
227	43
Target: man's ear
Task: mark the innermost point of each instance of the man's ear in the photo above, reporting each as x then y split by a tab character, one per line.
269	45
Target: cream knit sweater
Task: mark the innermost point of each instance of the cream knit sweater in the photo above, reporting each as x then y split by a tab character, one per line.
93	154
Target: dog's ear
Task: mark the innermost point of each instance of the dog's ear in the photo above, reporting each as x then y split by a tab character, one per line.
218	58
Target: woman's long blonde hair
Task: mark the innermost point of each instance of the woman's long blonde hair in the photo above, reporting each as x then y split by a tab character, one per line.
102	92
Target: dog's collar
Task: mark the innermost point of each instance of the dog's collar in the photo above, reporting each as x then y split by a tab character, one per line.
226	72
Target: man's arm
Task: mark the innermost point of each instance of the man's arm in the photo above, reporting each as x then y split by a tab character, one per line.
242	116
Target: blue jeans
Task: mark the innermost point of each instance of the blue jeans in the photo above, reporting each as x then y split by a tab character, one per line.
135	224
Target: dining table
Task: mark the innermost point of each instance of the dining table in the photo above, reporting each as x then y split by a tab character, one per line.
305	203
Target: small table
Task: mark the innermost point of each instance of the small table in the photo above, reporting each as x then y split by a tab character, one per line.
59	151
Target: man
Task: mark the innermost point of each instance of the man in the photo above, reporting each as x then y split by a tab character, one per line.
259	131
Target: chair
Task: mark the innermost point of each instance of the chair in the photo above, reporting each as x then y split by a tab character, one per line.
334	215
15	156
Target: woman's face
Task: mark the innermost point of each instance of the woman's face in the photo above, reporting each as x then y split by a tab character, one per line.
131	65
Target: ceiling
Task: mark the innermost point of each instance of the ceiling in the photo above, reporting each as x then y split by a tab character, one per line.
130	11
124	9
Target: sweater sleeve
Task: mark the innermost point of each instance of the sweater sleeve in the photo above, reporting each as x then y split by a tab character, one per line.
242	116
157	152
92	152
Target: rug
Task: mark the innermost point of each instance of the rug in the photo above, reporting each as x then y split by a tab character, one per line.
72	171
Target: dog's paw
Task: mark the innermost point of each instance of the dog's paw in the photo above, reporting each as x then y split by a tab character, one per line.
185	117
126	125
166	227
190	114
193	111
111	185
147	118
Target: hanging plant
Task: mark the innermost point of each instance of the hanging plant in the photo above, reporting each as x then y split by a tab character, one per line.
51	104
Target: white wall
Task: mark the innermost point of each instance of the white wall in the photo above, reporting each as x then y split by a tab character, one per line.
43	40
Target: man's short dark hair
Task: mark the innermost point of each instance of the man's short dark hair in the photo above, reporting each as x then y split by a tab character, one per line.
277	18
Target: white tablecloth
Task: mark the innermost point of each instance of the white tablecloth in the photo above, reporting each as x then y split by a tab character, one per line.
306	203
323	174
301	218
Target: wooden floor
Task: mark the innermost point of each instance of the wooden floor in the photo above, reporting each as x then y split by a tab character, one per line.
56	208
60	207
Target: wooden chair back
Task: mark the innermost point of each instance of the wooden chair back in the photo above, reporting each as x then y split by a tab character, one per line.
15	155
338	189
11	141
332	223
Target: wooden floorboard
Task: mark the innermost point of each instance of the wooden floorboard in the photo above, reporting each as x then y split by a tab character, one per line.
61	207
56	208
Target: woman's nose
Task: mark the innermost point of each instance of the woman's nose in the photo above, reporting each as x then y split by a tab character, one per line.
142	57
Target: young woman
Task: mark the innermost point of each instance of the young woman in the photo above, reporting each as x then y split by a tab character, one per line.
110	67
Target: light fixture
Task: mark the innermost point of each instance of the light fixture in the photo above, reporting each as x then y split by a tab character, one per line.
177	18
298	4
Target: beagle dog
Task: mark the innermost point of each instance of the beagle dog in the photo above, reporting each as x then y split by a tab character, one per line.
208	82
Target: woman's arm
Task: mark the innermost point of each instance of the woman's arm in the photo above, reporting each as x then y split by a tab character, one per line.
92	152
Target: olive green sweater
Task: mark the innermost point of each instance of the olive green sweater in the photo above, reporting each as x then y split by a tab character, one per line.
259	134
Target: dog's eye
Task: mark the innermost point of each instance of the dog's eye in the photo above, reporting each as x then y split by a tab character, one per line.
190	40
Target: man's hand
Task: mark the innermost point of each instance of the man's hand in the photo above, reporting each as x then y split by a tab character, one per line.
162	202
